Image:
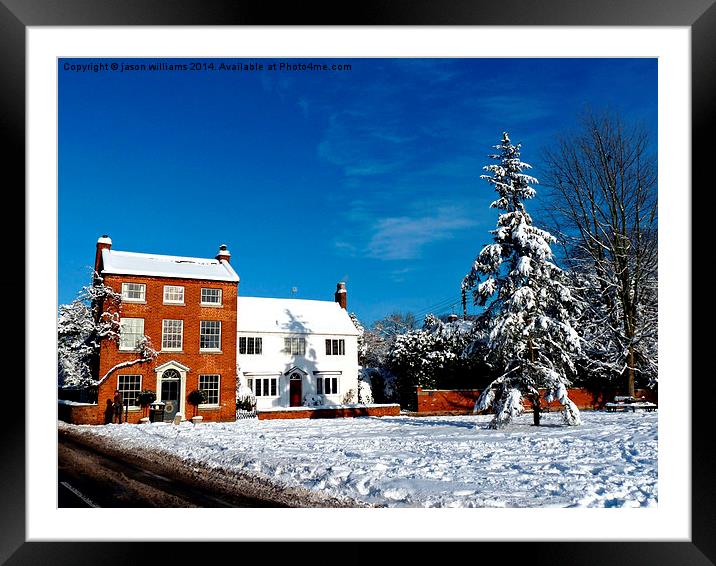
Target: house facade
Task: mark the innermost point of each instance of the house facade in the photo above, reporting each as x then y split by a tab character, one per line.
294	352
289	352
187	308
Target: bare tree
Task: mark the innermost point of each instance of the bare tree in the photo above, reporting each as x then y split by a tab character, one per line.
603	186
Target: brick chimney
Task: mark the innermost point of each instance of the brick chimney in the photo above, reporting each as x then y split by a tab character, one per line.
224	254
341	294
103	243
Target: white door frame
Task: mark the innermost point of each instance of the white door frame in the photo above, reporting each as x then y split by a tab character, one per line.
182	370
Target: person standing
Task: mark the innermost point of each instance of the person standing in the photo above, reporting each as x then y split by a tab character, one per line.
117	407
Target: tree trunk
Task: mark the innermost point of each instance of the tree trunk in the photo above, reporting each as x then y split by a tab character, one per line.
630	372
535	397
535	410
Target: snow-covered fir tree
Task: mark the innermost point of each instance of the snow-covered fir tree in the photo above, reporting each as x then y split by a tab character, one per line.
531	339
75	344
82	325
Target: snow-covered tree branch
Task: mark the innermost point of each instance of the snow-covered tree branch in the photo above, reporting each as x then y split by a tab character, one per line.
145	351
603	187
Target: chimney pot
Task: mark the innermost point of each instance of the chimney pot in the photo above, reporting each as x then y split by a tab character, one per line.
341	295
224	253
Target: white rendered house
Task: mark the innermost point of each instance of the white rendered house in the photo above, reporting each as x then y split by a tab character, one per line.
296	352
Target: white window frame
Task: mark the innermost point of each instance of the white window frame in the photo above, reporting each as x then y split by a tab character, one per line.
210	304
173	289
201	333
288	345
322	380
218	389
252	381
122	391
181	335
139	333
125	292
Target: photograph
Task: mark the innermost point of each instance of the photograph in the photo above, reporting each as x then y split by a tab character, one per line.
361	282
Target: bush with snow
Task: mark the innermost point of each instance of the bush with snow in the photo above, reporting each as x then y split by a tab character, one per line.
349	398
311	400
365	391
431	357
245	398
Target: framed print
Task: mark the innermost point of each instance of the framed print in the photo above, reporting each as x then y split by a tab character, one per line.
54	71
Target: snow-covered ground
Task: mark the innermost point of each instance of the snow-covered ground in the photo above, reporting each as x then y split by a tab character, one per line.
609	461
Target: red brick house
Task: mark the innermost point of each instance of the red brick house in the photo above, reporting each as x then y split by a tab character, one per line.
187	308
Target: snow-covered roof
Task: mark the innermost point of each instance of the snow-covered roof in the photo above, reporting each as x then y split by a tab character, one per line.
132	263
295	316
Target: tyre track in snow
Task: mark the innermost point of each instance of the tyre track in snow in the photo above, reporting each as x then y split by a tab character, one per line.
95	469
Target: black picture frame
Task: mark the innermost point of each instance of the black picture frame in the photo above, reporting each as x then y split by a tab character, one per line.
17	15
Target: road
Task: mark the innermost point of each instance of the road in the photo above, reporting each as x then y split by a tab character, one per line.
90	478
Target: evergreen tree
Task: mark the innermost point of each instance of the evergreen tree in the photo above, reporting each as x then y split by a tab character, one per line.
94	316
81	326
529	306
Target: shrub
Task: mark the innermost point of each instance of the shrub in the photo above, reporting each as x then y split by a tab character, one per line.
246	403
145	398
349	398
196	398
312	400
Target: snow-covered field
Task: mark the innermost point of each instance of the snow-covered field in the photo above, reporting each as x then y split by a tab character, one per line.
609	461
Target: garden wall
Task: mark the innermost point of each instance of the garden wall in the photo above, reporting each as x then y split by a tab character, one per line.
330	412
86	413
461	401
78	413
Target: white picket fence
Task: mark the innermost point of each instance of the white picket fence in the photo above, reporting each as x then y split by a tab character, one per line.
241	414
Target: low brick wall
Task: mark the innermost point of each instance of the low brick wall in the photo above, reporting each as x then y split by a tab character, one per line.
446	400
79	414
463	400
330	412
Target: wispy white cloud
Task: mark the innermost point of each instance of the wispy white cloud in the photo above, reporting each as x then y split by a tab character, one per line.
401	274
405	237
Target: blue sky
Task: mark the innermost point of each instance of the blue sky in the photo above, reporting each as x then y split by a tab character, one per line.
369	176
